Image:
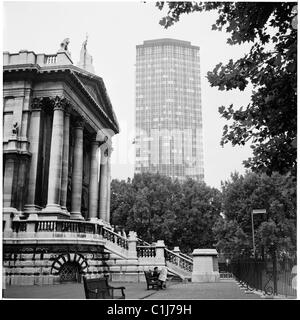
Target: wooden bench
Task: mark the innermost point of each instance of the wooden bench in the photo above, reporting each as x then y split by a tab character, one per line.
98	288
151	283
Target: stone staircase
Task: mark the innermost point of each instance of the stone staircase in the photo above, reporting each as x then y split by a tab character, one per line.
136	250
36	250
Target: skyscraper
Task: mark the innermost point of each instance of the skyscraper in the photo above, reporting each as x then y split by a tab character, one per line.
168	115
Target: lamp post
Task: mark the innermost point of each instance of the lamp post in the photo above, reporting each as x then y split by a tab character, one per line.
255	211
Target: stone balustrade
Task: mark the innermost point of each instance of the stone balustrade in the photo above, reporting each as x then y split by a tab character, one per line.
179	261
29	57
126	255
146	251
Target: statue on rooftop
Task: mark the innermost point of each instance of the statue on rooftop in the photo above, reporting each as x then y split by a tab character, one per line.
64	46
86	60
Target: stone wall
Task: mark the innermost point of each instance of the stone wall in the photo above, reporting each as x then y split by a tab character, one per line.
39	262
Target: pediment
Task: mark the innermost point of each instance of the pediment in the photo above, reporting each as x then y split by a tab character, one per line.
96	88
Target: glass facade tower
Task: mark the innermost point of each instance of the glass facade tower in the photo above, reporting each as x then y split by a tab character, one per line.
168	116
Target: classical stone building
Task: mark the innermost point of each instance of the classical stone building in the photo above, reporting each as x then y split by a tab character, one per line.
58	124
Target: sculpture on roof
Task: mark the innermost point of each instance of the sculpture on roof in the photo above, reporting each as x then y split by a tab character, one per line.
64	46
86	60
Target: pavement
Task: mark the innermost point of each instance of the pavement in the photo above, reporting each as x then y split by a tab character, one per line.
136	291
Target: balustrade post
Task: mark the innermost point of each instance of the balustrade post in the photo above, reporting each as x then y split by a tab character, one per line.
132	241
160	252
203	266
31	223
177	251
8	219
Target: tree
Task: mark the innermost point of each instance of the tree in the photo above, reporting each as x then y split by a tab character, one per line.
269	121
231	240
276	230
200	208
158	208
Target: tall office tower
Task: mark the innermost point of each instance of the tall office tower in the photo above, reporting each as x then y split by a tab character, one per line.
168	109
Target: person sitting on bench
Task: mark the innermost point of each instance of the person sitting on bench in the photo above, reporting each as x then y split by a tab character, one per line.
163	277
155	274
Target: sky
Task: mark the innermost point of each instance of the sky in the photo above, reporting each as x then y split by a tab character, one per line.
114	29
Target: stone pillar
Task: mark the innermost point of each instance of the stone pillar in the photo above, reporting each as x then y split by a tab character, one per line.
176	250
34	137
94	185
108	185
203	266
56	155
160	252
65	161
103	183
132	241
176	259
9	179
77	172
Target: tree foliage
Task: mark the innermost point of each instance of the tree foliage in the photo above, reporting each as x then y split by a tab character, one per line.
274	230
157	208
269	121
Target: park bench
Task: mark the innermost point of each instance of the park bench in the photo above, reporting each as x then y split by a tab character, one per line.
151	283
98	288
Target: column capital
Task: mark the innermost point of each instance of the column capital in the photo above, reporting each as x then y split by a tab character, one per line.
79	122
60	103
68	109
36	104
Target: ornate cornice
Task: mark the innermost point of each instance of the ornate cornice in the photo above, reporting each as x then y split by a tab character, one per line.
74	72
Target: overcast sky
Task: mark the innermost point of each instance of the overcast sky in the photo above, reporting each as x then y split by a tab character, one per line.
114	29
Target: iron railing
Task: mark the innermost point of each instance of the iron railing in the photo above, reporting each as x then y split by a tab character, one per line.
255	274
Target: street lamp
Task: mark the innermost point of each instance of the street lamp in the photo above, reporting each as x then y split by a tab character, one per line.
255	211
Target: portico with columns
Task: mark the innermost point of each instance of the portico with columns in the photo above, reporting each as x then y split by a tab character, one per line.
58	125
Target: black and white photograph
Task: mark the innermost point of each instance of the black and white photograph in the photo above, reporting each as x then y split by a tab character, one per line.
149	153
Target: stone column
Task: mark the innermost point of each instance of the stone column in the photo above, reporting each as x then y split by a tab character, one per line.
103	183
34	137
65	161
204	269
77	172
94	185
56	155
108	185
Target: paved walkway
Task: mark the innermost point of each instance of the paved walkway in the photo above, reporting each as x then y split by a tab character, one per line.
176	291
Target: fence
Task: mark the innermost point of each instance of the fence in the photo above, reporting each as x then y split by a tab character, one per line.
261	275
